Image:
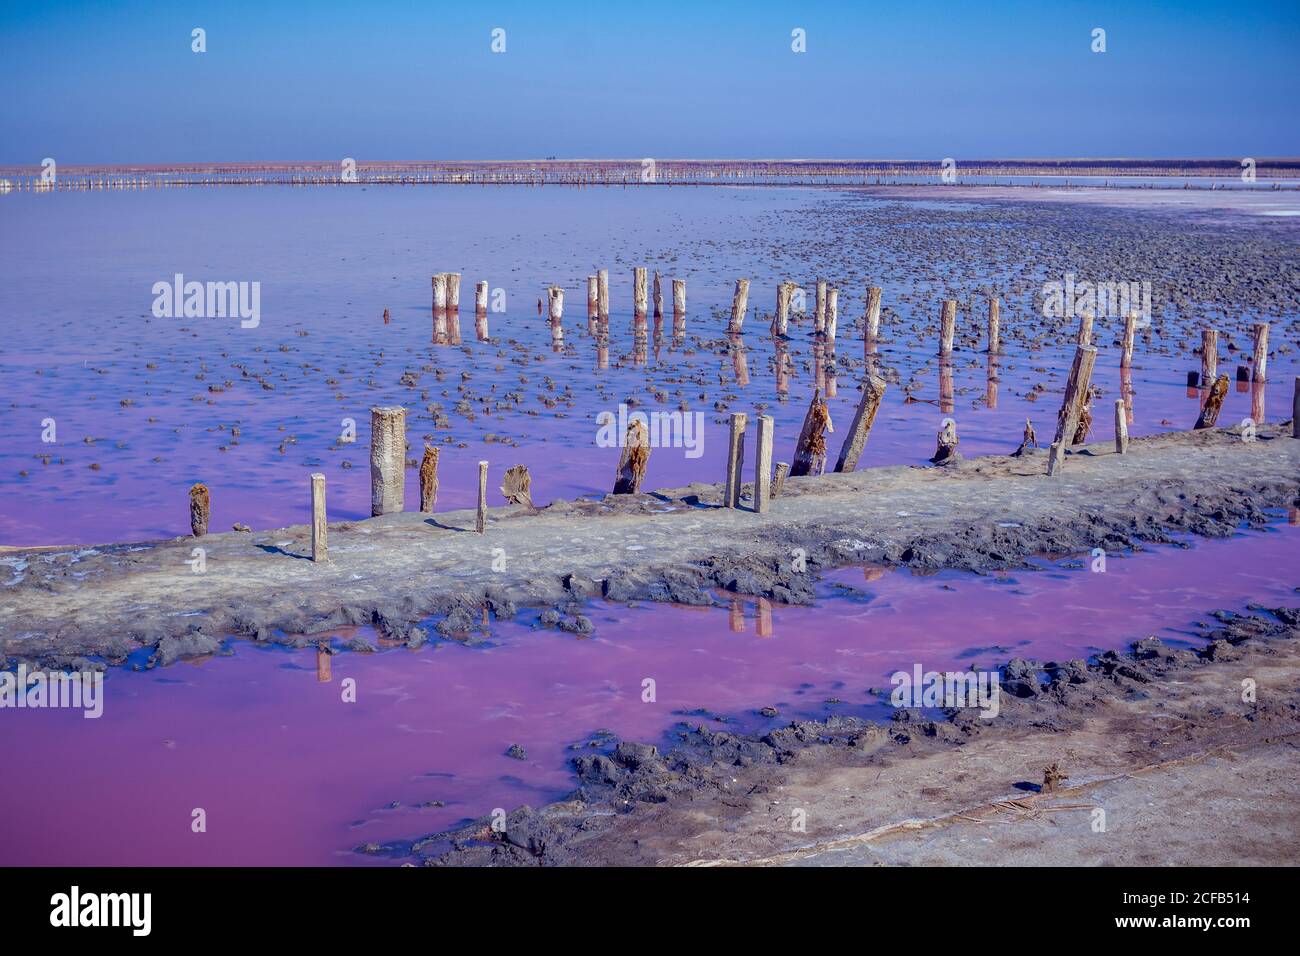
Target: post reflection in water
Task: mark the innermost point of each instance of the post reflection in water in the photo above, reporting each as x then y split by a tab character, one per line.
991	381
946	404
739	359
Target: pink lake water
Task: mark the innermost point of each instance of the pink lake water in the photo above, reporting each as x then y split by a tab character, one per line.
80	341
288	773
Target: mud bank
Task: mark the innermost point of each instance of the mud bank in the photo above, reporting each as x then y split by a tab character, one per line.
66	605
1122	731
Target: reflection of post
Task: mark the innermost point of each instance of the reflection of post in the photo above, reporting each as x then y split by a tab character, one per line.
994	322
991	386
783	362
763	462
1130	330
739	360
946	394
1126	391
947	326
602	352
319	528
322	664
736	616
1209	356
1261	352
830	377
640	344
763	626
735	460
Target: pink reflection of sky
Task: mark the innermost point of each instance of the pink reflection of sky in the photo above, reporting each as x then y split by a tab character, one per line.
288	774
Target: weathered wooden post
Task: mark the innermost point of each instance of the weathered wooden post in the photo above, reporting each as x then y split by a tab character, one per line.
735	460
819	314
1261	351
319	529
945	442
1209	355
763	461
453	291
873	313
593	297
1085	328
200	510
439	293
739	303
602	295
517	486
1130	330
1213	403
995	307
1295	409
679	301
1121	427
832	313
640	300
778	478
856	440
481	299
480	523
429	479
658	297
1076	396
947	326
810	450
781	321
634	459
555	309
387	459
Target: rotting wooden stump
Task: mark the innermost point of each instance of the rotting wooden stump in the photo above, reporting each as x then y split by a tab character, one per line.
387	459
516	486
763	463
873	313
480	520
1072	406
856	440
946	442
947	326
429	479
1261	352
1085	328
1213	404
319	526
810	450
1121	427
739	305
200	510
735	460
1126	345
634	459
1085	420
778	478
1209	355
1028	440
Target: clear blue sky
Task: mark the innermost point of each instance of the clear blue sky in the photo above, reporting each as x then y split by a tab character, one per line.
117	82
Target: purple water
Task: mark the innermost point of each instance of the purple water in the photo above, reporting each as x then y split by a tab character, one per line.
81	340
290	774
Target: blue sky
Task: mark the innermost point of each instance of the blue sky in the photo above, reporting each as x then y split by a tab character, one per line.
107	83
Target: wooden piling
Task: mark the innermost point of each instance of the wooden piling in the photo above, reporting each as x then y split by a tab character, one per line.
1261	352
593	297
679	299
453	291
1085	329
634	459
781	321
1213	404
778	478
873	313
480	523
810	450
200	510
856	440
735	460
1130	331
1076	396
832	313
429	479
555	304
640	300
763	460
739	304
995	308
946	442
1121	427
481	298
387	459
1209	355
658	297
947	326
602	295
819	315
319	529
440	293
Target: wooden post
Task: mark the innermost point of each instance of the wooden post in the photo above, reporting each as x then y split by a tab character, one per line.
387	459
593	297
1076	396
429	479
481	298
778	478
763	459
947	326
1209	355
1085	329
946	442
832	313
856	440
1121	427
555	304
1130	330
739	303
658	297
873	313
1261	352
634	459
200	510
735	460
453	291
640	300
1295	409
480	524
319	547
679	298
995	307
810	451
819	316
440	293
602	295
1213	403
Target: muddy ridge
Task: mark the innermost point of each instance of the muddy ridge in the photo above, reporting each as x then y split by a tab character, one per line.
80	606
